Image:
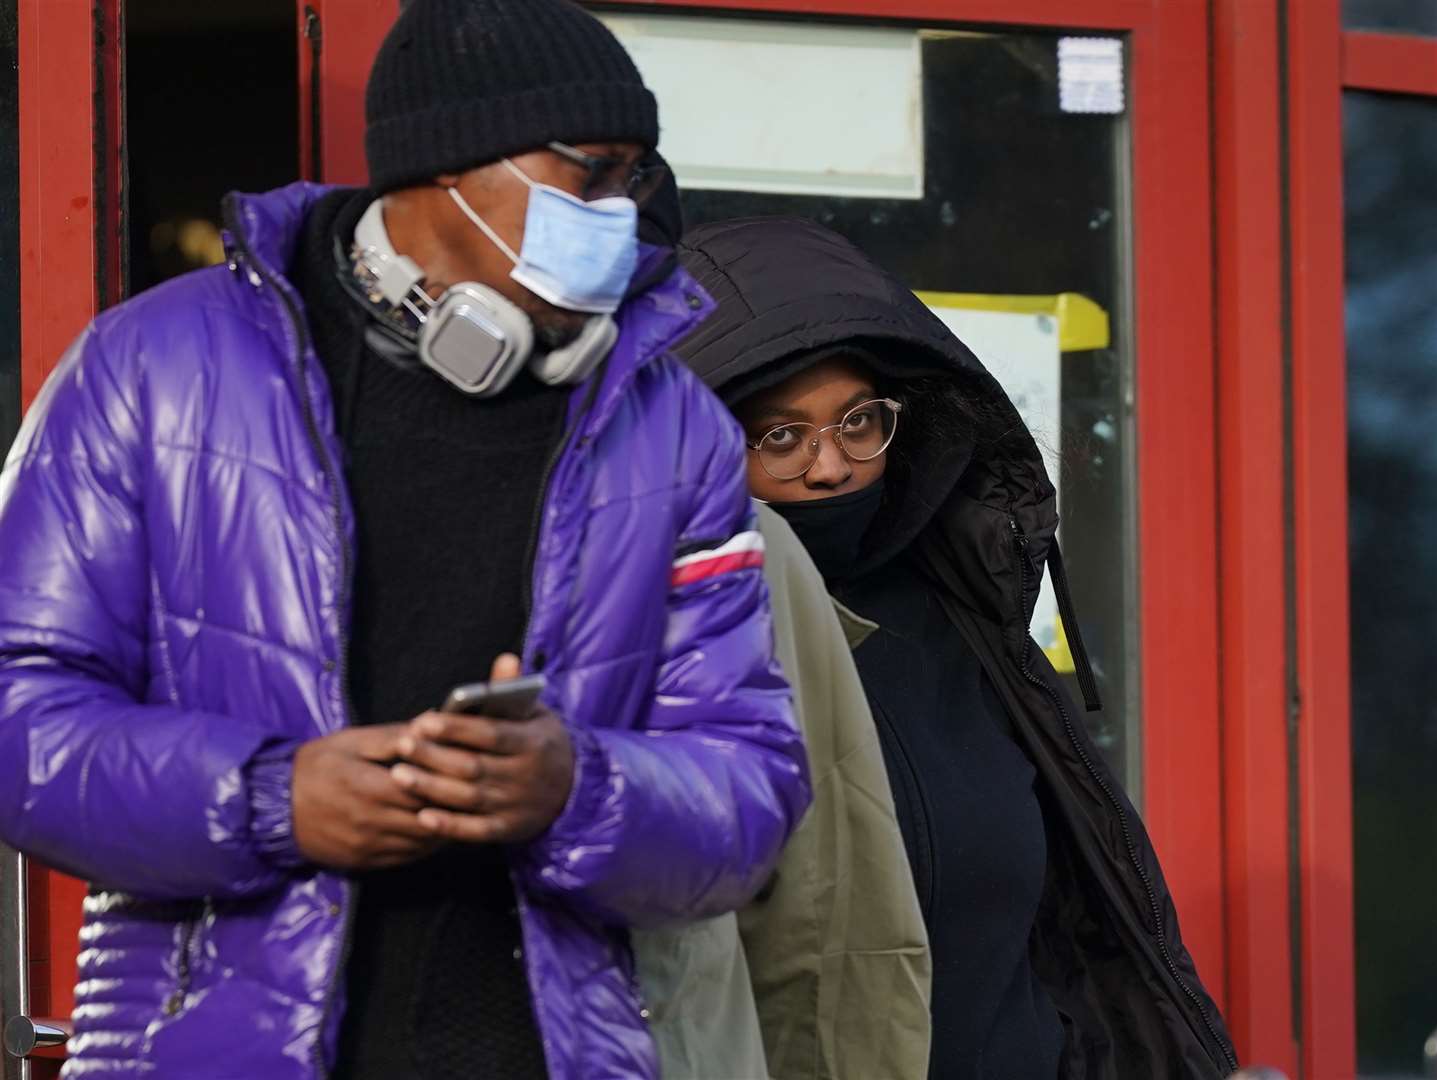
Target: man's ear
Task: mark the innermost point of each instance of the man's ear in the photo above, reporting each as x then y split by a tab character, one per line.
481	177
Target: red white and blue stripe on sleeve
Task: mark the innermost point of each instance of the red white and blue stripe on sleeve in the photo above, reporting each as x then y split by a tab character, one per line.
710	559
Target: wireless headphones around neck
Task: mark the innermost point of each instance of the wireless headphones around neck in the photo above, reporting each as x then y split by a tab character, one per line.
471	336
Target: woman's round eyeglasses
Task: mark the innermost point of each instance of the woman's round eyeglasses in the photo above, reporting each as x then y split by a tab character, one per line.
790	450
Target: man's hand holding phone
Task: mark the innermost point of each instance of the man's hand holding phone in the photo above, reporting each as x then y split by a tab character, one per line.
348	811
485	778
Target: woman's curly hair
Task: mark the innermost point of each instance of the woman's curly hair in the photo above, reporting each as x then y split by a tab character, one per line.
950	409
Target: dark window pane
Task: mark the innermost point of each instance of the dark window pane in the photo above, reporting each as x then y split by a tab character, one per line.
1402	16
1016	197
1391	152
213	106
9	227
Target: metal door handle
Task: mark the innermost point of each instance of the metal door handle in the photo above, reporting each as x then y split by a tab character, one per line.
24	1036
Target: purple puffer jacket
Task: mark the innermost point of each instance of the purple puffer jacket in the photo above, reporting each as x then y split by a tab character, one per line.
175	542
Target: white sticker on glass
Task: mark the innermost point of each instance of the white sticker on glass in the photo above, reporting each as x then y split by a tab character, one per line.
1090	75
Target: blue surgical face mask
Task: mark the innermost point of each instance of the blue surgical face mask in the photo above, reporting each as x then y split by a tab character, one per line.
577	255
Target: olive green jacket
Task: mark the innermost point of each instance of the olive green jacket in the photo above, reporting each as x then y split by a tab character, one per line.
827	973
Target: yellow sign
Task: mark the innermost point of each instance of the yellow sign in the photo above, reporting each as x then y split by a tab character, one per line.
1082	324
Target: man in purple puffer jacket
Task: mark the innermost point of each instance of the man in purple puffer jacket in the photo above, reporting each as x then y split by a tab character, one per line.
263	517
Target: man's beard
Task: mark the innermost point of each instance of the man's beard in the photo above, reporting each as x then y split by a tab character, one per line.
552	334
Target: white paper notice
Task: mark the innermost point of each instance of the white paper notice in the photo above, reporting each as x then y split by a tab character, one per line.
772	107
1090	75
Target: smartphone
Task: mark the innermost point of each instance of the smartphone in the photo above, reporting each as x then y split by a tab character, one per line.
513	699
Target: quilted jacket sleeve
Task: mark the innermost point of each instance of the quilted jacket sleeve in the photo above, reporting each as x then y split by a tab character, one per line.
837	951
684	817
157	801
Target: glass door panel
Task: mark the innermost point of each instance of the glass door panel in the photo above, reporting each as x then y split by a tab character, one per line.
1391	208
234	128
959	161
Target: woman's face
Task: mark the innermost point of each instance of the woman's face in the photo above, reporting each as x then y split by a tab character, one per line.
822	396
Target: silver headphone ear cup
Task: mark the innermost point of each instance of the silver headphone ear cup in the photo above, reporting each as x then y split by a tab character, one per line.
476	340
576	362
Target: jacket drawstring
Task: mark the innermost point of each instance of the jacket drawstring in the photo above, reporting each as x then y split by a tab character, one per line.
1081	664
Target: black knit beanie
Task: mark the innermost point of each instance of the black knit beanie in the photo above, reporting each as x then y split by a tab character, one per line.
461	83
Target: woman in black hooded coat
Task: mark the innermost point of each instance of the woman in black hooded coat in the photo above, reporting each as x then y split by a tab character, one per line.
1055	942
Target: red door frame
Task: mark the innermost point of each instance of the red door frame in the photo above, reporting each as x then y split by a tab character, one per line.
1232	753
337	40
70	215
1177	491
1323	740
69	62
1391	63
1248	228
1281	381
1177	500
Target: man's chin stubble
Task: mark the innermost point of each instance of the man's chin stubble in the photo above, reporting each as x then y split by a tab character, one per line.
555	330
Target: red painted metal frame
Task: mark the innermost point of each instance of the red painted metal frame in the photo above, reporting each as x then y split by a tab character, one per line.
1251	336
58	259
55	916
311	119
1319	414
1177	487
111	188
1077	14
70	60
351	33
1281	294
1395	63
1177	496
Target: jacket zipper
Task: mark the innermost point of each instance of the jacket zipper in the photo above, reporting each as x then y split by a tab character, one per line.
1160	935
539	660
331	474
189	929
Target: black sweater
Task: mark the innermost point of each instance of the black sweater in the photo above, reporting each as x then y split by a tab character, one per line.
445	491
973	827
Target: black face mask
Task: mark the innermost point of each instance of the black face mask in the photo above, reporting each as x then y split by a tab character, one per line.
833	529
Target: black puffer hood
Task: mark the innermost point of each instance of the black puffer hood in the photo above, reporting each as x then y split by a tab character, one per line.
964	463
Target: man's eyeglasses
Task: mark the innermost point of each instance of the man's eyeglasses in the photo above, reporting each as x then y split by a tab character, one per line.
610	176
790	450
